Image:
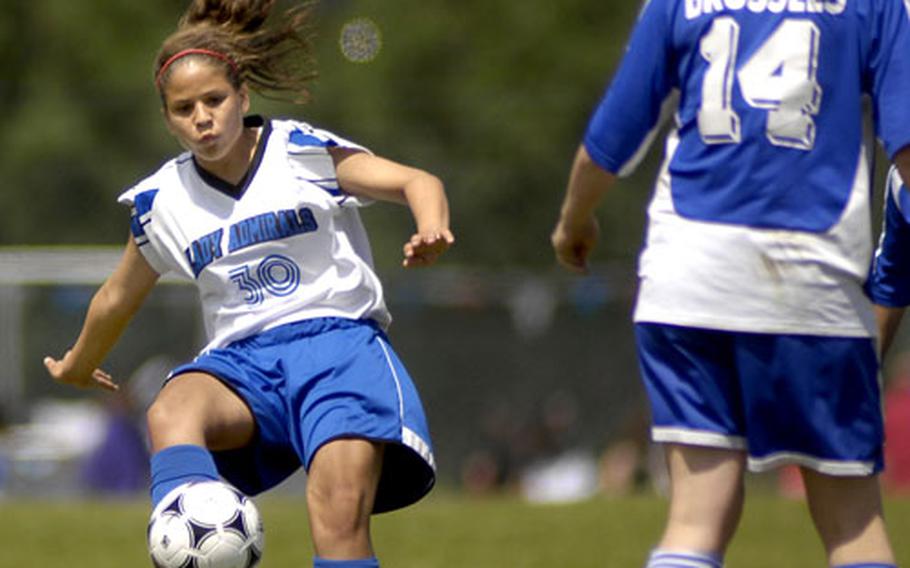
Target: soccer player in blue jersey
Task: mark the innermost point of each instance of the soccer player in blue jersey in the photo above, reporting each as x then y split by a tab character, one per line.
756	340
889	281
261	215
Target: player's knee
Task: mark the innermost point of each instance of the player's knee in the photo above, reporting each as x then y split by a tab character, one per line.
338	507
166	416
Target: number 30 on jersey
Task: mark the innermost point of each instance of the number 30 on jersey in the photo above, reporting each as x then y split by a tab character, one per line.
275	275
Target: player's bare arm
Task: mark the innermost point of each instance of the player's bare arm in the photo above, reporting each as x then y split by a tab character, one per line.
577	230
889	320
111	309
902	163
887	317
366	175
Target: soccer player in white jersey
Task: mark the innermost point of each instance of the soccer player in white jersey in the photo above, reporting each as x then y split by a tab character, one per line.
261	215
756	340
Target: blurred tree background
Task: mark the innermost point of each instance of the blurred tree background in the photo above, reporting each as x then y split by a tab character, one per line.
492	96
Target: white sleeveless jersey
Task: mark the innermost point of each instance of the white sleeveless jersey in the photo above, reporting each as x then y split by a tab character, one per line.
285	245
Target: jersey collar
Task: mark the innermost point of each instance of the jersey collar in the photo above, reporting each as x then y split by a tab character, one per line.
230	189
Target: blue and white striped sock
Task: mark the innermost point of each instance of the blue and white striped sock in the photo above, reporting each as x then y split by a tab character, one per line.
662	558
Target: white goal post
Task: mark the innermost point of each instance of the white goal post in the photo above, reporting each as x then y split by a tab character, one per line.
36	266
31	265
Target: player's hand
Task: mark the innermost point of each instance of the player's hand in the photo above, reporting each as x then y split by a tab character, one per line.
424	248
62	371
573	243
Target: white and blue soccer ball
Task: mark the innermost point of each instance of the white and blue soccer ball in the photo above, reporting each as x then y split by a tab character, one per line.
205	524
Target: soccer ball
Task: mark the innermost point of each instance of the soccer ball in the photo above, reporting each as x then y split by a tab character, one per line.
205	524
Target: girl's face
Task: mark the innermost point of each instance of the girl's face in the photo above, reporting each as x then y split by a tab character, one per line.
204	111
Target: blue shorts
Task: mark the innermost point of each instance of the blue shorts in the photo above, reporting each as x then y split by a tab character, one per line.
785	399
314	381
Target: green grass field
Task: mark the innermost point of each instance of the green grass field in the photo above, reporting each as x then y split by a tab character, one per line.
443	531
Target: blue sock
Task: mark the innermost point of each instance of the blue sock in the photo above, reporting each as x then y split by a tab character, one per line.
866	565
176	465
661	558
360	563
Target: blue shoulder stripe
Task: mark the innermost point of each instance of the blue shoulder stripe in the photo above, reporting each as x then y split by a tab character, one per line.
142	204
300	138
144	201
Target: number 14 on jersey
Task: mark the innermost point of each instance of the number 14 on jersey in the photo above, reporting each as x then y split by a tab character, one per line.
780	78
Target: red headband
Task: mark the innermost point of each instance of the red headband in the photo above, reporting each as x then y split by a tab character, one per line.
181	54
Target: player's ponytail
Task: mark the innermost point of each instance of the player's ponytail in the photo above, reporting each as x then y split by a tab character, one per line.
271	59
241	15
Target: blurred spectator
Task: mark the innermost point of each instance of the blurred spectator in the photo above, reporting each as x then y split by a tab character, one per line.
533	307
790	482
491	466
483	473
538	454
896	477
559	470
630	461
119	464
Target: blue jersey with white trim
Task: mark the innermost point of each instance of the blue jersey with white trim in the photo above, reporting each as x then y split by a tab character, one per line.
769	91
285	245
889	281
760	219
